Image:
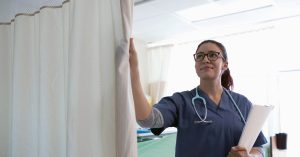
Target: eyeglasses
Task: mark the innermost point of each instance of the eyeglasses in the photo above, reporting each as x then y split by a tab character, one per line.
211	56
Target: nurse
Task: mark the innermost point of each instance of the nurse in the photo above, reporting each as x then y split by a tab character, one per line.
209	118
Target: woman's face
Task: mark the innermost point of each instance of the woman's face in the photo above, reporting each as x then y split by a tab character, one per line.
208	69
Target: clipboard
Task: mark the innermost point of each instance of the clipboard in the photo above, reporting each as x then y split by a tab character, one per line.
257	116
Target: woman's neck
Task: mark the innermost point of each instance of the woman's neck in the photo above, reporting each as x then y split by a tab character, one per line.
213	90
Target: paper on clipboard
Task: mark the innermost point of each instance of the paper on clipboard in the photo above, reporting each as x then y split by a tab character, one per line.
255	121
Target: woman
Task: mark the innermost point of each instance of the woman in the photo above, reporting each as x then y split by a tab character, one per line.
209	118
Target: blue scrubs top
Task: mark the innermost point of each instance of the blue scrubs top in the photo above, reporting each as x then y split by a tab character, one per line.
205	139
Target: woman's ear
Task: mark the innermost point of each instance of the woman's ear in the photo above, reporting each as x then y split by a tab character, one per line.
225	66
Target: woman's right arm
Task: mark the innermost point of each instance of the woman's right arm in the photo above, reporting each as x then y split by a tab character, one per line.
142	107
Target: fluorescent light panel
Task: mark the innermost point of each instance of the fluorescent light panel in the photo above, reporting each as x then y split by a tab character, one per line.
217	9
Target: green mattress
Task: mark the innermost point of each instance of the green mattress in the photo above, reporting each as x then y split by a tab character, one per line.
163	146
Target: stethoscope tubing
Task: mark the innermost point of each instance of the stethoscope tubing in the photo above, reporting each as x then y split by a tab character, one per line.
236	106
203	120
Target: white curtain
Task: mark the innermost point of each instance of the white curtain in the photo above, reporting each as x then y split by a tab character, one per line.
64	81
158	64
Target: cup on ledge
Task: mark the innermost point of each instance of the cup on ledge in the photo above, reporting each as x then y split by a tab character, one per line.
281	141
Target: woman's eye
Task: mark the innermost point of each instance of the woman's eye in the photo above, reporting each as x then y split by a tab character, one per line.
213	54
199	56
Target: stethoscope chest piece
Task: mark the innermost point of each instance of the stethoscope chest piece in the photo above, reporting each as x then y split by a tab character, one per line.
201	121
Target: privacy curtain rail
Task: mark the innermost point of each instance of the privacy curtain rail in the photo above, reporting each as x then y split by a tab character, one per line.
34	12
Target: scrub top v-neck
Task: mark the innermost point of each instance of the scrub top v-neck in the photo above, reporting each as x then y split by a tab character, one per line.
205	139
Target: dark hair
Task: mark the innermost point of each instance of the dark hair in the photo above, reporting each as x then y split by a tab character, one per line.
226	79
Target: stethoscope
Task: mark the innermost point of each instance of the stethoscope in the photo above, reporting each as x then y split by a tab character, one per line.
203	120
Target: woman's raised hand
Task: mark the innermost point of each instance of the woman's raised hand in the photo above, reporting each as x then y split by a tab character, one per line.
133	60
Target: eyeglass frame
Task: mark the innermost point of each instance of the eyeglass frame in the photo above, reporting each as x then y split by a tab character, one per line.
219	55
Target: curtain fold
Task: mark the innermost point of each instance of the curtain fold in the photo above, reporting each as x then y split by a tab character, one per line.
64	82
5	89
91	86
25	88
126	137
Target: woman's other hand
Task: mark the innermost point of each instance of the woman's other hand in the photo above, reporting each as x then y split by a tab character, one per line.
238	151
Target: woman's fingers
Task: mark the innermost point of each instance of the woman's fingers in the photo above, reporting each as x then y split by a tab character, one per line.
238	148
133	60
238	151
131	46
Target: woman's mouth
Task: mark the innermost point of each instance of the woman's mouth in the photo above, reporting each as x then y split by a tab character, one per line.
206	68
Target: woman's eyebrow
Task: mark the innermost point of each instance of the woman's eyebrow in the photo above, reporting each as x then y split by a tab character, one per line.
207	51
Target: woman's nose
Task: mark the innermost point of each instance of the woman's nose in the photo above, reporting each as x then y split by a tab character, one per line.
205	59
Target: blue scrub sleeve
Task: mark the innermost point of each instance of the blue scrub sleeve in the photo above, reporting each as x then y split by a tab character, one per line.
168	106
261	140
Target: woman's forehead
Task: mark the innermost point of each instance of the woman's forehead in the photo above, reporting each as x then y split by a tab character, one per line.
208	47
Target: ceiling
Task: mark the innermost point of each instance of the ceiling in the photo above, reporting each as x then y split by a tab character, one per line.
158	20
